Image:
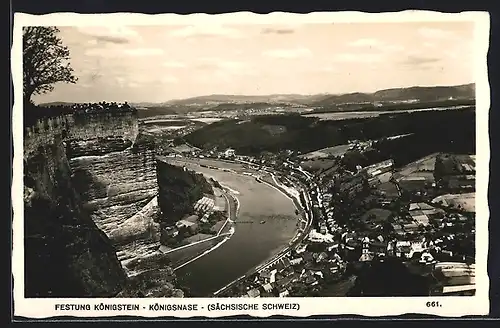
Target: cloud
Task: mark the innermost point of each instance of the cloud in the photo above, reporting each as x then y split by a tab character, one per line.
357	57
120	81
434	33
101	52
136	80
114	52
418	61
167	79
271	30
110	34
377	44
329	68
144	52
366	43
220	63
452	54
223	66
392	47
206	31
174	64
288	53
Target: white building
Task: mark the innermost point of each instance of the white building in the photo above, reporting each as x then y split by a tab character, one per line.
229	152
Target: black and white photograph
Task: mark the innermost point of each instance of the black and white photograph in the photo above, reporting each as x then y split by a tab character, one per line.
252	159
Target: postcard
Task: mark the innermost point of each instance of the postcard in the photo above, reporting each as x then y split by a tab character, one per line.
244	164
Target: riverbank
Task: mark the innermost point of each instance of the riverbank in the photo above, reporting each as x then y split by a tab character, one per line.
266	223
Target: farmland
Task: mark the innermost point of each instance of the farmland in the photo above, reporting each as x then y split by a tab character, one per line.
464	201
327	152
421	167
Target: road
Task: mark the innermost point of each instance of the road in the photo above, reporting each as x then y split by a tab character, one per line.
231	215
194	243
299	236
295	241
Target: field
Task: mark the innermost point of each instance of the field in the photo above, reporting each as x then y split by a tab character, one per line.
465	201
326	152
389	189
424	166
376	215
337	116
319	164
183	149
207	120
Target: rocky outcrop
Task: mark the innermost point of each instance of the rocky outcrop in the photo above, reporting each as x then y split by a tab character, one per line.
104	184
179	189
116	176
66	255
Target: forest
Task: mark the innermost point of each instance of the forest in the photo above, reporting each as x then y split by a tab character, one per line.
429	131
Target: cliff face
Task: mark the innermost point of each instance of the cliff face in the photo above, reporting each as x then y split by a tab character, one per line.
102	169
66	255
179	189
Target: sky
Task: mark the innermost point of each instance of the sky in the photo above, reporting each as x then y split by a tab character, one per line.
160	63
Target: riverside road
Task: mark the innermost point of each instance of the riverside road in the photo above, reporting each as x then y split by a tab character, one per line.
271	225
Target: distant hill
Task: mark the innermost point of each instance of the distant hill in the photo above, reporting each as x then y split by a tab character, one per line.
415	94
243	99
331	102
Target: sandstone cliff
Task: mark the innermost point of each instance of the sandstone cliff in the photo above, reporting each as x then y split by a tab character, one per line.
179	189
95	165
66	255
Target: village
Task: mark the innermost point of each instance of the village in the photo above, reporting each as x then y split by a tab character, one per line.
421	215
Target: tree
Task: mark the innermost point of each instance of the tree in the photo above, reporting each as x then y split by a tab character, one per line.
45	61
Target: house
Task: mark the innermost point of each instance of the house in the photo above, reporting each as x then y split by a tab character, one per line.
398	228
366	257
172	232
301	249
317	237
285	282
311	280
267	288
379	168
378	246
403	249
253	293
321	257
334	268
410	227
283	264
283	292
192	218
333	248
186	224
427	258
265	276
296	261
421	219
229	152
352	244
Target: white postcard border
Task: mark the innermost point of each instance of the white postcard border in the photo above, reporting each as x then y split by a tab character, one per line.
380	306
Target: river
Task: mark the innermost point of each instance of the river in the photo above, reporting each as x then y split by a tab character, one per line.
252	243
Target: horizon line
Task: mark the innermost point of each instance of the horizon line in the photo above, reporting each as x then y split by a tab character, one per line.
267	94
